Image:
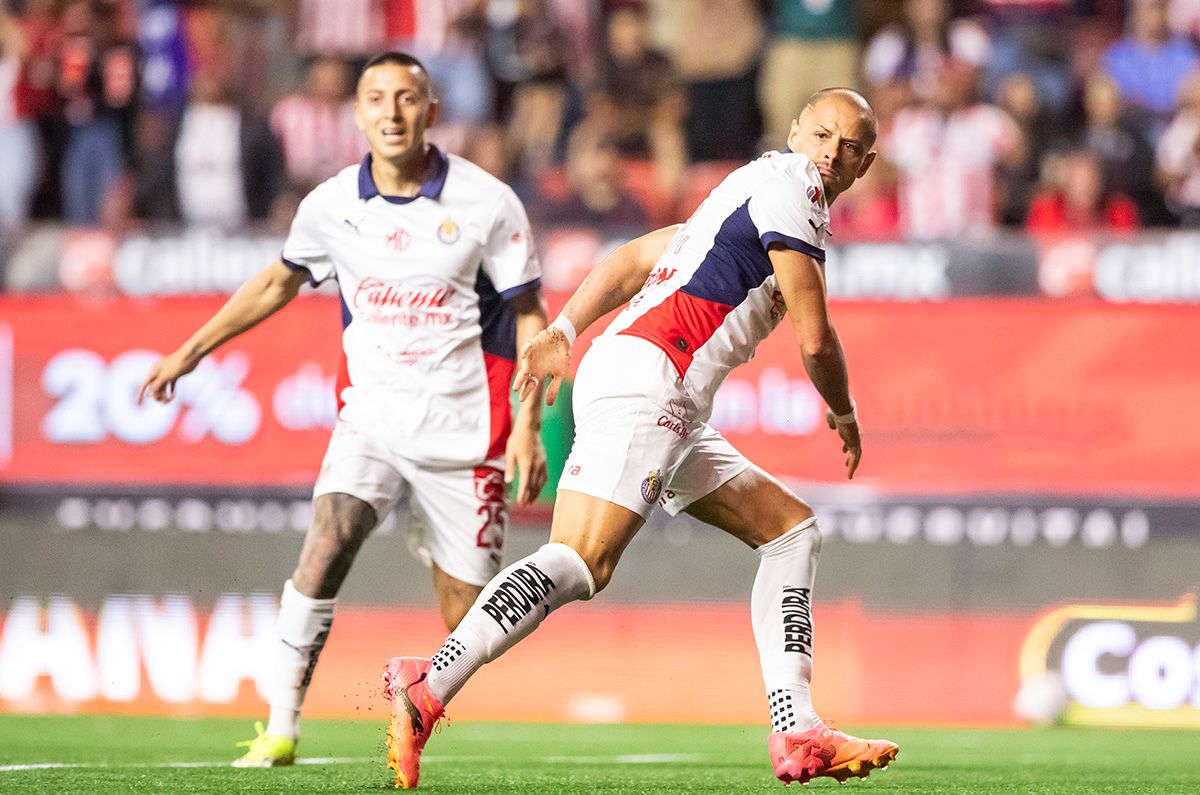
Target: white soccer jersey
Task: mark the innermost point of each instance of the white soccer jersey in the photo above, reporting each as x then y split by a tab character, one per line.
712	297
428	338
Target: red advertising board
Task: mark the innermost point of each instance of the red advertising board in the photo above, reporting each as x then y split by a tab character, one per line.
975	396
989	396
256	412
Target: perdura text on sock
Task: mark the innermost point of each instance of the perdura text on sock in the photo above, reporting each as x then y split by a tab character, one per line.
797	620
518	594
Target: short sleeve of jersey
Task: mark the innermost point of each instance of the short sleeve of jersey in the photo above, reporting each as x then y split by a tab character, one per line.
304	249
789	209
509	258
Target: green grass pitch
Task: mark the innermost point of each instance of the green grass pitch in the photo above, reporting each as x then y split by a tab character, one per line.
120	754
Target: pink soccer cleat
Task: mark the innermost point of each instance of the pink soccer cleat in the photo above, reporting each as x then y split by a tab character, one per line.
414	714
823	751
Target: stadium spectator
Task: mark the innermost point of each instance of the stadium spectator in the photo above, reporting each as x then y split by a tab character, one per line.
316	127
948	154
220	165
37	98
637	97
1124	151
909	55
447	36
1150	65
1077	200
1178	157
98	80
526	56
1039	126
719	42
345	28
1030	38
813	46
872	210
18	134
596	191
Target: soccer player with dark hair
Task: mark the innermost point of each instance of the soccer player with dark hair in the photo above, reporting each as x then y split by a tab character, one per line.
439	284
704	295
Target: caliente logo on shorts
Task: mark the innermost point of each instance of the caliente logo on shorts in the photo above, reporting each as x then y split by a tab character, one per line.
652	486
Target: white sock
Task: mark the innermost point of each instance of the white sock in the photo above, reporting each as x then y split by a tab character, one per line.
303	628
510	607
781	608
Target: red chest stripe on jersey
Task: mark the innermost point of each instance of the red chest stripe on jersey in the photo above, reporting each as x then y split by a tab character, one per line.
499	377
679	326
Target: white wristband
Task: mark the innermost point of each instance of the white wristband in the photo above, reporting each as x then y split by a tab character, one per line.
849	417
566	327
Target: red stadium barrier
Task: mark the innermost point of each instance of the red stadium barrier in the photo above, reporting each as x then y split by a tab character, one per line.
970	396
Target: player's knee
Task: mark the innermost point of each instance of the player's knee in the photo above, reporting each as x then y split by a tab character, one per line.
601	574
343	516
804	537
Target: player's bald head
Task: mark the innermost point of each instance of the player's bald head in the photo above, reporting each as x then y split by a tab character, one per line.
851	100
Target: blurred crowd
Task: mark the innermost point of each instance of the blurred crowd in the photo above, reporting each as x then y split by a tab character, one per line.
1055	116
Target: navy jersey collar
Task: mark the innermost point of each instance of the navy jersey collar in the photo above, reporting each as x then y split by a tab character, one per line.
430	188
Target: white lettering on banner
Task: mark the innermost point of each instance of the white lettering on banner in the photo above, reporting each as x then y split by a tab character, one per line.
97	399
117	650
237	647
1150	272
136	633
168	635
194	262
306	399
53	643
772	404
1104	666
892	271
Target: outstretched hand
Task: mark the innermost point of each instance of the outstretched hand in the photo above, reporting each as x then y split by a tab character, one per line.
546	356
851	442
160	382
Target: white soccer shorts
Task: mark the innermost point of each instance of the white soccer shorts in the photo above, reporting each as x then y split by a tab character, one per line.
638	442
456	518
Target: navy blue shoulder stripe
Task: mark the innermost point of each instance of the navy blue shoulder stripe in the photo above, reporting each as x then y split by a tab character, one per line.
795	244
513	292
296	266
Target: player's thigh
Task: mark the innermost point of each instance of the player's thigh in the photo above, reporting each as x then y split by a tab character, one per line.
357	466
719	486
459	519
753	507
599	530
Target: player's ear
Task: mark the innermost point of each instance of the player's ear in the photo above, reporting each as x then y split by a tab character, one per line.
358	117
793	132
431	118
867	161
